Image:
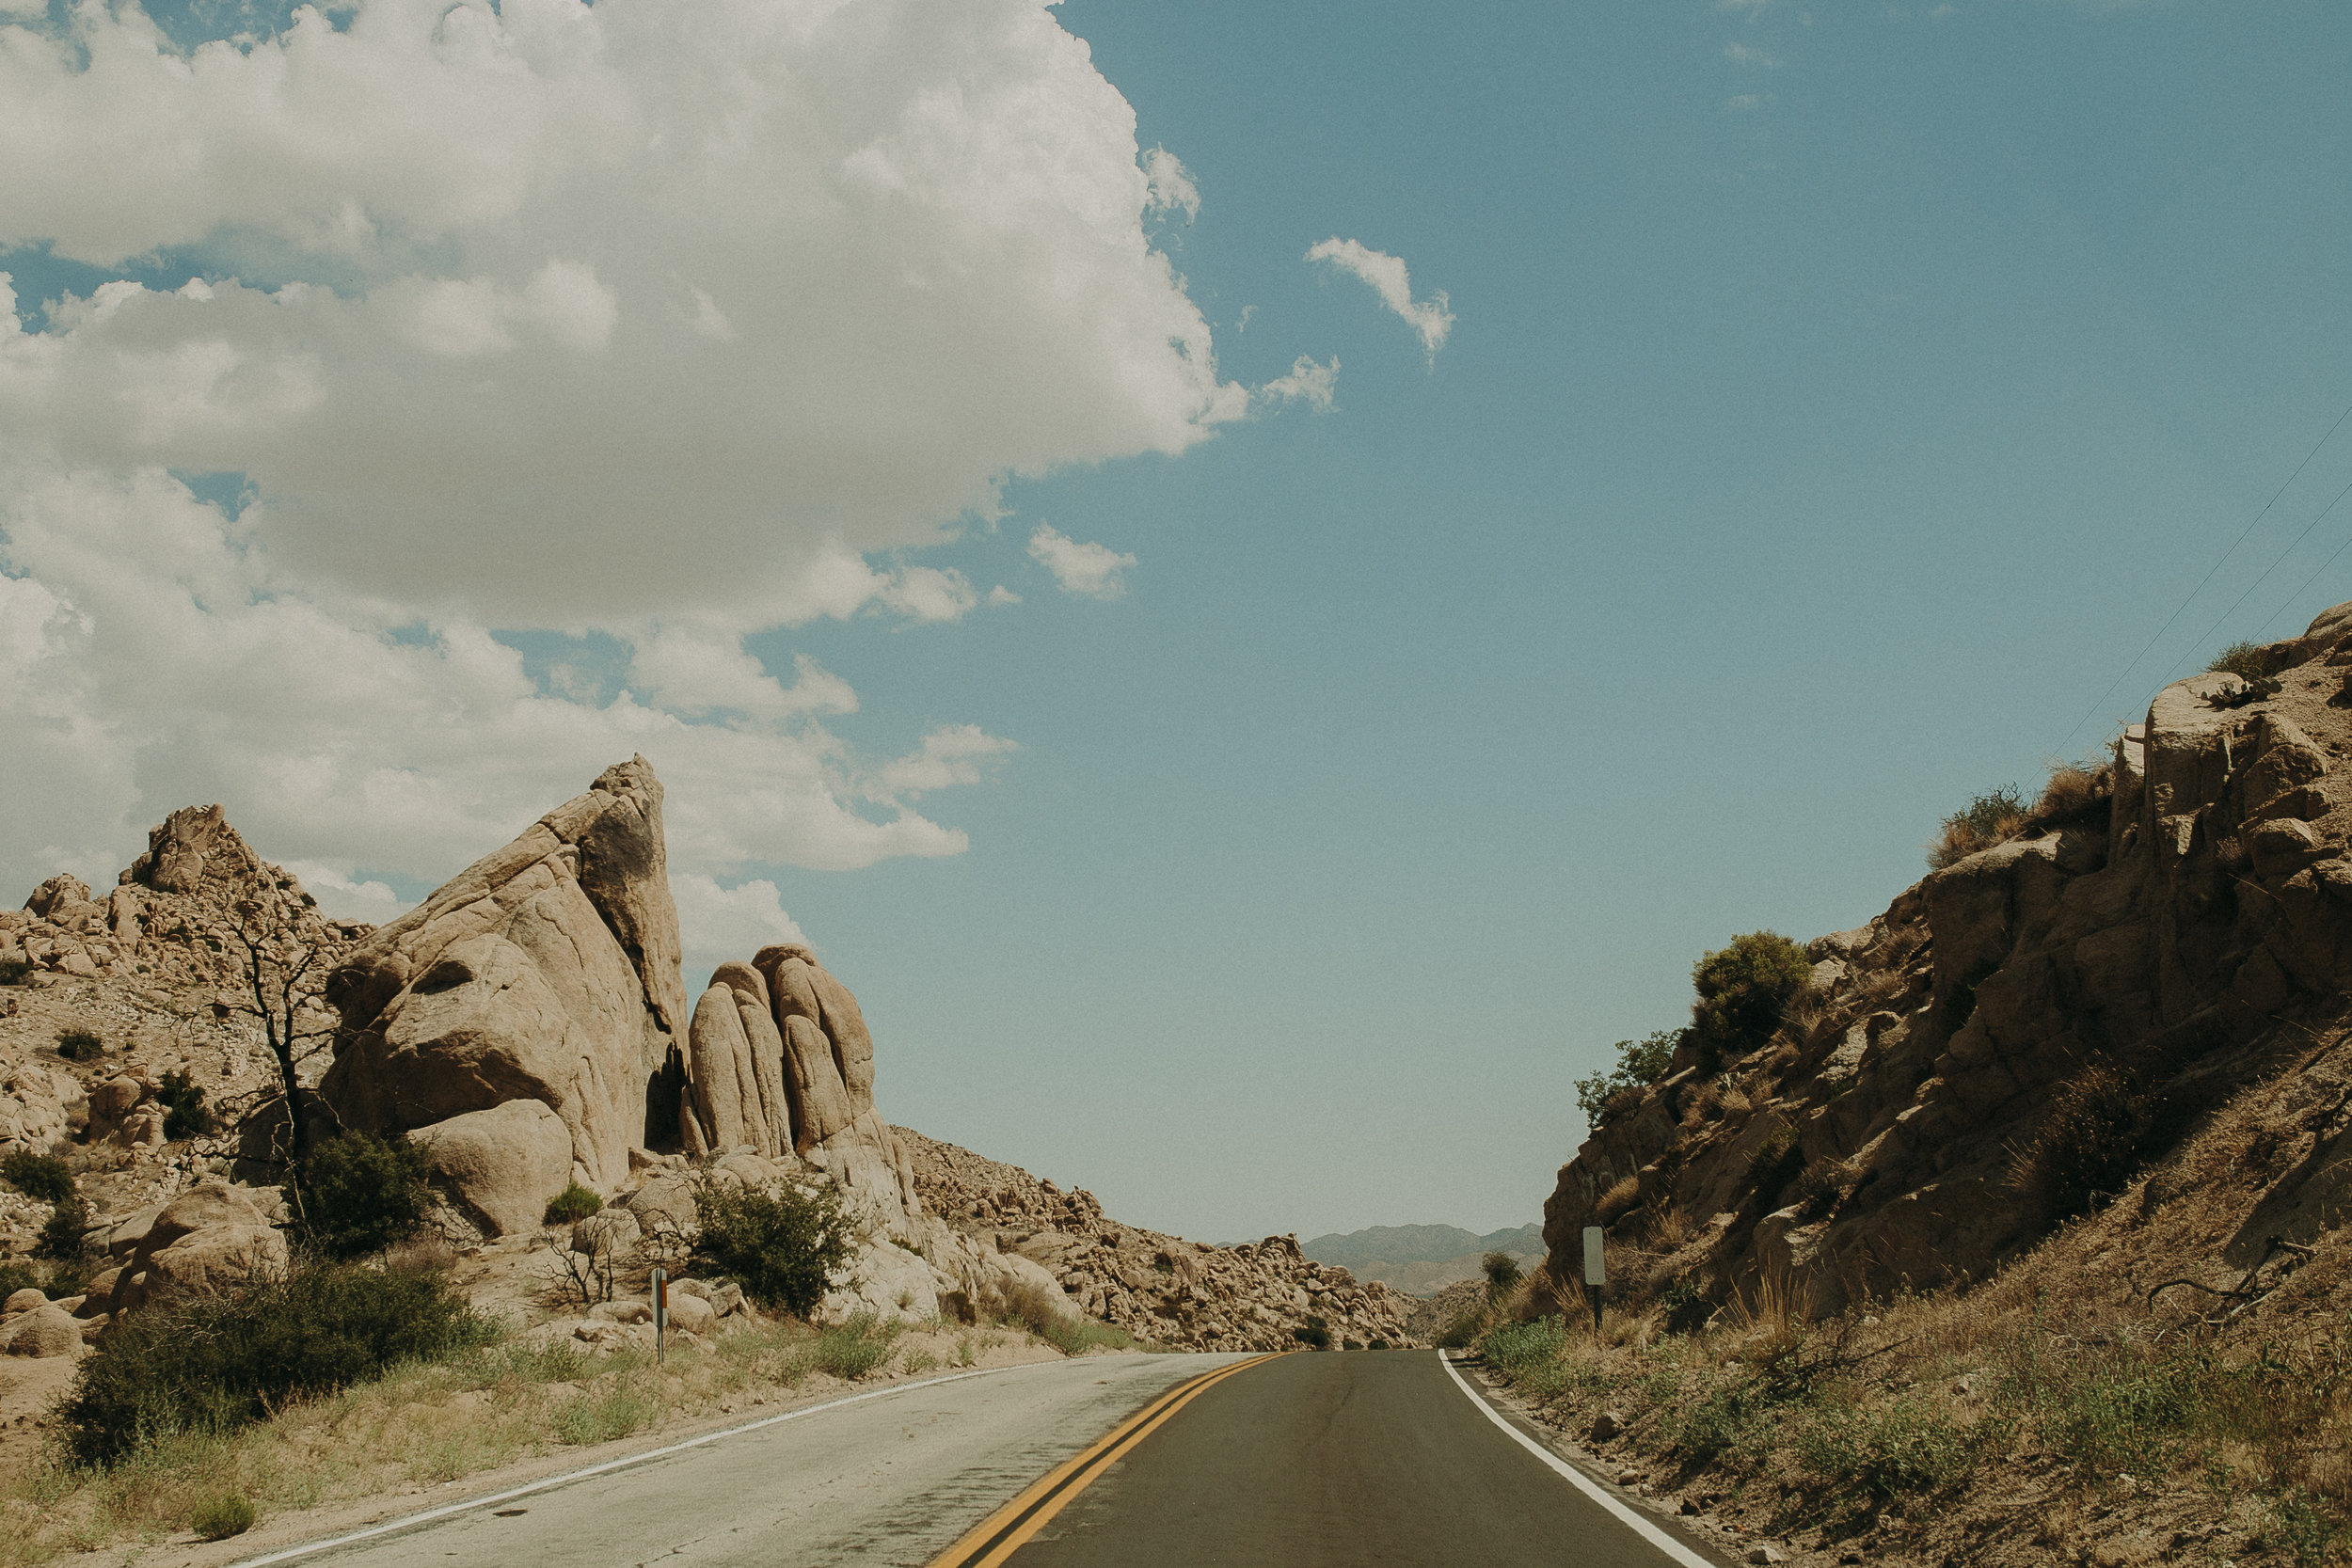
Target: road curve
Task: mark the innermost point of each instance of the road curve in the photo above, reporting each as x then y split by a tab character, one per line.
1342	1462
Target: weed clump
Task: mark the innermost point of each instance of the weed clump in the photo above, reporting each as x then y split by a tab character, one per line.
1502	1271
220	1517
79	1045
13	970
2248	661
2088	1146
357	1194
1989	818
1313	1333
779	1244
214	1362
61	1235
43	1177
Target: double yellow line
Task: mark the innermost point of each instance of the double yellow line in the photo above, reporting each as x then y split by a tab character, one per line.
1007	1530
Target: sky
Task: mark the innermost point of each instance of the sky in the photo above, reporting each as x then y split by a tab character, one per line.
1258	582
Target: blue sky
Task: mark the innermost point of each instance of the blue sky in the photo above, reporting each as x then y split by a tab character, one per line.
1835	399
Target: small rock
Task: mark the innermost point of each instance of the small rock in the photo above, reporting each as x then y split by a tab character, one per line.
46	1332
1690	1507
25	1300
1606	1425
1628	1478
1767	1553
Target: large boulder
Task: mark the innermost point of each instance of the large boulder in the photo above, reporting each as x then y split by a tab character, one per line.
546	972
499	1167
215	1258
45	1331
177	848
60	892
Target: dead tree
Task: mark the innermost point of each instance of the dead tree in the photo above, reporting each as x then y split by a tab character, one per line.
276	963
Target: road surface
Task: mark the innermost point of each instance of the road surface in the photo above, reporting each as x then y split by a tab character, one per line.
1298	1461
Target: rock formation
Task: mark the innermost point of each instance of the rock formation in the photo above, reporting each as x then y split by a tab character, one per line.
546	971
2173	933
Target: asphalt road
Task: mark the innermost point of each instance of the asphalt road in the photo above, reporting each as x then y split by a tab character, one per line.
1339	1461
1297	1461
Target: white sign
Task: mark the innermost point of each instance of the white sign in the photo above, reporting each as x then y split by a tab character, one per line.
1592	1273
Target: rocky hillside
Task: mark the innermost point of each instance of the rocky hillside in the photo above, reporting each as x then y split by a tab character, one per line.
2032	1029
1160	1289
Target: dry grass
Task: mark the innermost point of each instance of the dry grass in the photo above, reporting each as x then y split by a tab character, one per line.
2051	1414
1621	1197
424	1425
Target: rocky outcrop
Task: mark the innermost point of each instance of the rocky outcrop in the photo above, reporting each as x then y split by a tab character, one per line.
2176	930
546	971
212	1236
1158	1287
781	1065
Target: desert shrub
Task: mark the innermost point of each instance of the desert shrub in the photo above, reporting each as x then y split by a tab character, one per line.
2246	661
1639	1063
1744	991
1895	1451
1313	1333
2070	790
575	1202
15	1276
1983	822
1615	1201
1502	1271
186	1114
42	1177
217	1361
1775	1164
357	1194
79	1045
2087	1146
779	1244
603	1414
219	1517
61	1236
1817	1189
12	971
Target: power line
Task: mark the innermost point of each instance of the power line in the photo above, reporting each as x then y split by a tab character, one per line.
2257	582
2315	577
2206	578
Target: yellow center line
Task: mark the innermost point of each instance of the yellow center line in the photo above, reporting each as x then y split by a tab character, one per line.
1007	1530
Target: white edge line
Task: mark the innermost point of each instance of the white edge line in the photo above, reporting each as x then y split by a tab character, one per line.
410	1521
1583	1482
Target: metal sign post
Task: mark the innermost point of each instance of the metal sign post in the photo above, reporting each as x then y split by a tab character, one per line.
661	1312
1595	1275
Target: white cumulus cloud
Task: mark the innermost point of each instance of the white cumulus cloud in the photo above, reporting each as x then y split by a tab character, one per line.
1307	382
1088	570
1387	274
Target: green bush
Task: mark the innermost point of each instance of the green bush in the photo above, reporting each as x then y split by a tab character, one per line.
1900	1452
1462	1331
214	1362
61	1237
42	1177
79	1045
1313	1333
186	1114
1502	1271
15	1276
1639	1063
357	1194
218	1518
575	1202
12	971
850	1350
1744	991
780	1245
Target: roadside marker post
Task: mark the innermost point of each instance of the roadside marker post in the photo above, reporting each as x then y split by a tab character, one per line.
660	1313
1595	1275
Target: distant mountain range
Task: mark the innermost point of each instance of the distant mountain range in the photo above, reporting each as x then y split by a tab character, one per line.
1422	1259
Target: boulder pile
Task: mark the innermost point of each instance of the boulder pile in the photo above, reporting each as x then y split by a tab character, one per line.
1160	1289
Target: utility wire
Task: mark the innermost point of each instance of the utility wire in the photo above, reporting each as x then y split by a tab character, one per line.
2315	577
2206	578
2257	582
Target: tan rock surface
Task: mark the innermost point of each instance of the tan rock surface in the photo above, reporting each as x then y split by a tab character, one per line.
499	1167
